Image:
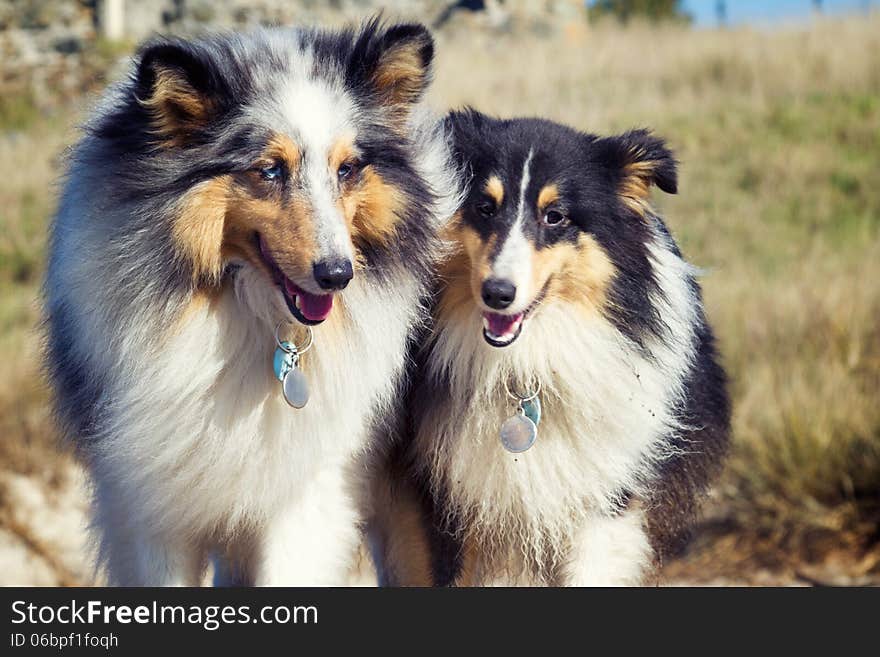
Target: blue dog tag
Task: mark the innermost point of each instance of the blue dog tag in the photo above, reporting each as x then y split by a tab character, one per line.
284	361
532	409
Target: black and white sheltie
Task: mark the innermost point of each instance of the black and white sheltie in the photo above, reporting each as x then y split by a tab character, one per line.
569	322
230	185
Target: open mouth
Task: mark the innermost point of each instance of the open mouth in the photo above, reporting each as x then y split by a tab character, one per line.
502	330
307	308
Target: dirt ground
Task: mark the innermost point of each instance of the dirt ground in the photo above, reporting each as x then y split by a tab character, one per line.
44	542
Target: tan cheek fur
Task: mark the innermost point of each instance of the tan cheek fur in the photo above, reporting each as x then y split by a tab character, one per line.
578	274
218	219
287	230
197	231
479	254
456	299
372	209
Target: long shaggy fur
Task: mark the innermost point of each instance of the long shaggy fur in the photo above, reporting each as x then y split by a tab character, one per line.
635	414
162	367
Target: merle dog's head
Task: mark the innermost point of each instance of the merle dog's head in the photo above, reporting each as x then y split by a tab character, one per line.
553	214
283	151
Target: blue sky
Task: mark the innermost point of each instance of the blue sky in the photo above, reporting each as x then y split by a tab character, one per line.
769	11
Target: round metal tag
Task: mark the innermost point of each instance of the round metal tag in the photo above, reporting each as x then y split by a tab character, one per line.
295	388
518	433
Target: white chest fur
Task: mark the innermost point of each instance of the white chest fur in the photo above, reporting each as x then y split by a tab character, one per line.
200	430
608	410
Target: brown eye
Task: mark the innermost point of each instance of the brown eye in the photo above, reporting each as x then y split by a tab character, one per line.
486	208
553	217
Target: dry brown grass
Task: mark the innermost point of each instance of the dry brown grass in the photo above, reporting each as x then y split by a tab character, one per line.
28	170
778	133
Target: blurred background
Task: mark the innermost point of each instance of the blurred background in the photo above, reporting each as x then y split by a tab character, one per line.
774	112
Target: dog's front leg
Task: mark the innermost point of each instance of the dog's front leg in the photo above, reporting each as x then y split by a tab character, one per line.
134	557
609	551
314	539
133	553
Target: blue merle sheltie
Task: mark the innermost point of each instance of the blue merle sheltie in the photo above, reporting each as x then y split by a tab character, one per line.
239	208
567	408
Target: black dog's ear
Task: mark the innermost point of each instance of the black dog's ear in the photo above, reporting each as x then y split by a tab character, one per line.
179	85
641	160
467	131
394	62
463	127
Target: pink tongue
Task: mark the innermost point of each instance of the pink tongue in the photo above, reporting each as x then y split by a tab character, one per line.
314	307
501	325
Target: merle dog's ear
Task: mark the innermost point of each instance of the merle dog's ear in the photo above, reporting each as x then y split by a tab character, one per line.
394	62
179	85
641	160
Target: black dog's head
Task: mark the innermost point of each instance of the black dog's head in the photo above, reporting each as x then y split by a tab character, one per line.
554	214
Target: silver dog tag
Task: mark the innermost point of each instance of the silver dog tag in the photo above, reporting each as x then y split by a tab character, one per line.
518	433
295	388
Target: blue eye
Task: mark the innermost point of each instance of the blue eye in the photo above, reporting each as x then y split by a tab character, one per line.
272	172
345	170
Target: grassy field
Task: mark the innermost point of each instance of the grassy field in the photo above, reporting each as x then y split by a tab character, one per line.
778	133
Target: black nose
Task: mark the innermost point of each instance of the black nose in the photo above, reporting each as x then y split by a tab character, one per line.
333	275
498	293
